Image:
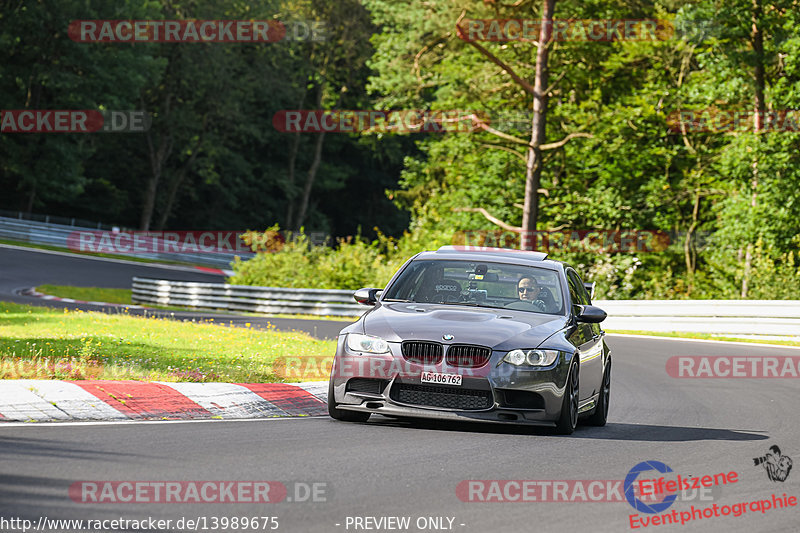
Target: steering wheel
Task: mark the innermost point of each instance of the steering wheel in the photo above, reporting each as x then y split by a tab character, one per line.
539	304
524	305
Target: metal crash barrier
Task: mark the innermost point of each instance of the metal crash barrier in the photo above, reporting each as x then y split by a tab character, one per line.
322	302
740	317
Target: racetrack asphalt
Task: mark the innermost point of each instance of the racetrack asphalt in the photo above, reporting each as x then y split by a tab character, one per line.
387	467
23	269
394	468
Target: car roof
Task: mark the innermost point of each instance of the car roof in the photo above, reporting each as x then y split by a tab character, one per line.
497	255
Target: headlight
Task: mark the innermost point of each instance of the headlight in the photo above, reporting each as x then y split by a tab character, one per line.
357	342
531	357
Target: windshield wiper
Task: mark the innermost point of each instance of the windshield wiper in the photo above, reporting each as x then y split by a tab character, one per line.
396	300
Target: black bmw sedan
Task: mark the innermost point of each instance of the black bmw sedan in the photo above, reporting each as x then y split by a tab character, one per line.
476	334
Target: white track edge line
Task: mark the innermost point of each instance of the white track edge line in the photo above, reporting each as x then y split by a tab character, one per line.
737	343
129	422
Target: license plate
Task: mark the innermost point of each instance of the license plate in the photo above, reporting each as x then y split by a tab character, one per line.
440	379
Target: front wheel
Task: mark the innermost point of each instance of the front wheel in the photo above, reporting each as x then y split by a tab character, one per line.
341	414
569	407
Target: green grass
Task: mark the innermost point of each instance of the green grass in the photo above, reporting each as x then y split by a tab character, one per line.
42	343
123	296
88	294
111	296
703	336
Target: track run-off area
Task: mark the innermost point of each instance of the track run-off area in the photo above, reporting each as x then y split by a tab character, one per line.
314	474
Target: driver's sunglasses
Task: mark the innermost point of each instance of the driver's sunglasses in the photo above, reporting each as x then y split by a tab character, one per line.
523	289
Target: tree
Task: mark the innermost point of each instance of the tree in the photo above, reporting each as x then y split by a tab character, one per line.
44	69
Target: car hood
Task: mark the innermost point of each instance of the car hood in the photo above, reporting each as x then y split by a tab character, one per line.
500	329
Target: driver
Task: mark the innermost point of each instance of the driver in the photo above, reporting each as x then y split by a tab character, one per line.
529	290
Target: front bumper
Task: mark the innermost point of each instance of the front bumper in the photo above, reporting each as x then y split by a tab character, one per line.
390	385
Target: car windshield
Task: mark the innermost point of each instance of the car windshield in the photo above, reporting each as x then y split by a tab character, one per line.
481	284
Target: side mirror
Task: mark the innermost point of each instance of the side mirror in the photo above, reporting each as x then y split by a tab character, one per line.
590	314
366	296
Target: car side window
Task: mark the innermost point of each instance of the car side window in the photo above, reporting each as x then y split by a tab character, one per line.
583	294
573	293
576	290
408	285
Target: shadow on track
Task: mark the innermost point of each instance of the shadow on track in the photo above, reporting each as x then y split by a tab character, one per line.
654	433
612	431
32	497
17	448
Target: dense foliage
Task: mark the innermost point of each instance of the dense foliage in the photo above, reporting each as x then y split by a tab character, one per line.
729	200
212	159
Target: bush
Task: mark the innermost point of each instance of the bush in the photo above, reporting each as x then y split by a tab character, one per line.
773	276
352	263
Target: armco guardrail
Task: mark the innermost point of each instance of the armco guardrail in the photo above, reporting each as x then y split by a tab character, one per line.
323	302
732	317
51	219
36	232
755	317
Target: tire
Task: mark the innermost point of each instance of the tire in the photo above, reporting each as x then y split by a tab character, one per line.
341	414
600	415
568	419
